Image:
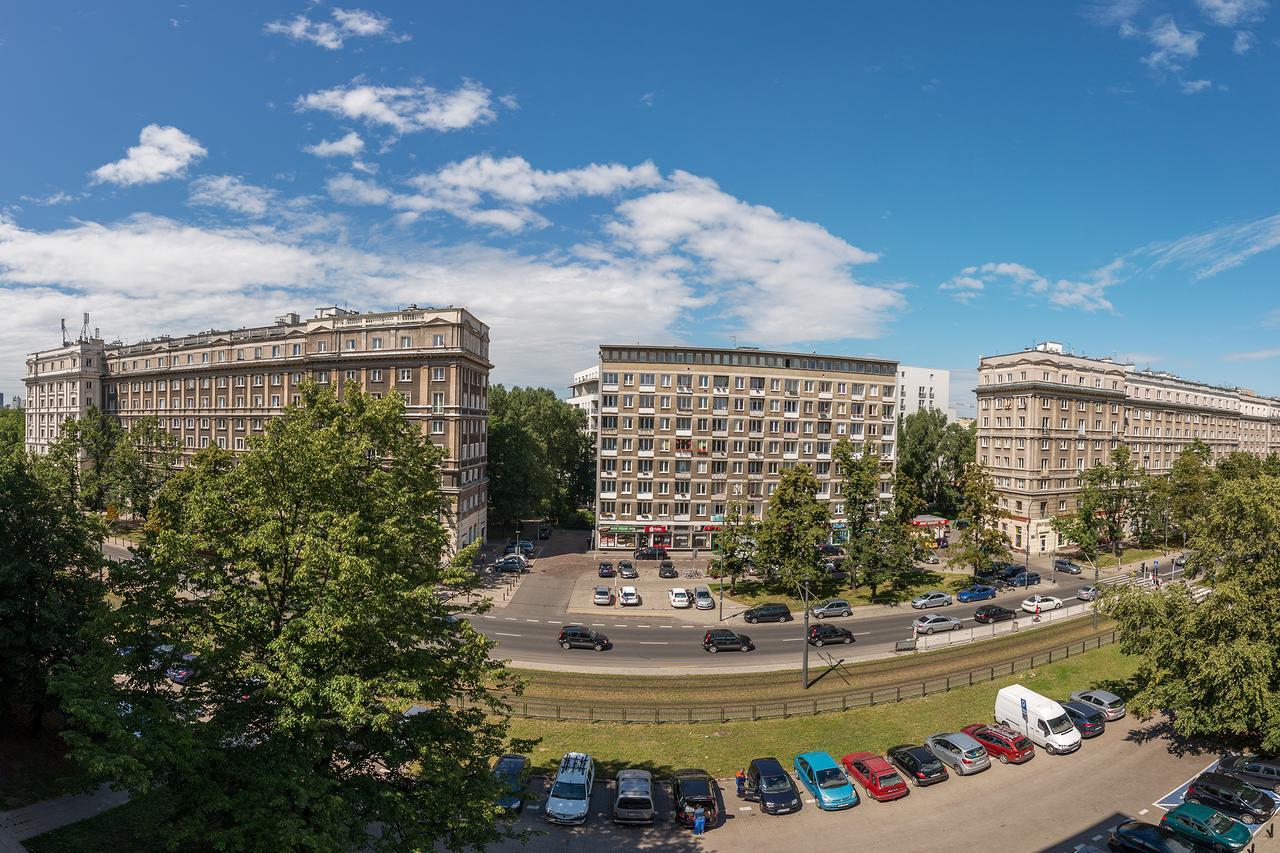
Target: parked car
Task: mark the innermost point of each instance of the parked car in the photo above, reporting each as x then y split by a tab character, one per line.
821	635
570	797
1180	561
958	751
182	671
931	560
1139	837
830	550
771	612
931	599
1046	602
667	569
1260	771
977	592
1111	705
1088	593
1062	564
544	532
526	547
702	598
633	797
691	789
627	569
918	764
629	596
605	570
1206	826
582	637
650	553
876	776
1024	579
769	785
723	639
515	563
679	597
988	613
824	779
603	596
512	771
1039	718
832	607
1232	797
510	548
1087	719
936	622
1006	745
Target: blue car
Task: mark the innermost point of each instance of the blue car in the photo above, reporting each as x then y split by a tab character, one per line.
1025	579
978	592
819	772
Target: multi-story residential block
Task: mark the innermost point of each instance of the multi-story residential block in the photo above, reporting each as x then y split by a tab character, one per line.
921	388
222	387
584	394
1045	415
684	431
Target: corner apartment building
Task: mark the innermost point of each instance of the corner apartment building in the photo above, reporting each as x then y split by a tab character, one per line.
1045	415
684	431
924	388
584	394
222	387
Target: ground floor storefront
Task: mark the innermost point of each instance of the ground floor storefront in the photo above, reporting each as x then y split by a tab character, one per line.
694	537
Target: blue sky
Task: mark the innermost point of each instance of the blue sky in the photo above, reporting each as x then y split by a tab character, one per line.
923	181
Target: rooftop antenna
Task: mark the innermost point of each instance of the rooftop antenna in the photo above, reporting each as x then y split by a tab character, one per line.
65	342
84	328
734	338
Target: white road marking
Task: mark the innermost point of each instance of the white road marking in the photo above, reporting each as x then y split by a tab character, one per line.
861	633
1096	838
666	626
490	617
644	626
510	618
1144	811
619	626
500	634
597	624
793	639
744	808
688	626
810	802
649	643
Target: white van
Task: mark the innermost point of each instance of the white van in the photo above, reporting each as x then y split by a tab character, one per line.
1038	717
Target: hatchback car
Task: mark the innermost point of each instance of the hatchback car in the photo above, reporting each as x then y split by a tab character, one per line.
936	622
832	607
1006	745
769	785
679	597
771	612
526	547
1203	824
958	751
1046	602
605	570
511	563
511	771
702	598
822	635
1024	579
691	790
602	596
1232	797
881	782
918	764
1087	719
1139	837
977	592
724	640
667	569
627	569
1260	771
931	599
1111	705
1061	565
629	596
988	613
633	797
819	773
582	637
1088	593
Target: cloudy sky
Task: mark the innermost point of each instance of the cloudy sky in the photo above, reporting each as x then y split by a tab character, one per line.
922	181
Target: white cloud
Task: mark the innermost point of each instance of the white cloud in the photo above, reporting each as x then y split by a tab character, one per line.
162	152
348	146
353	190
1254	355
1218	249
1114	12
1087	294
347	24
1243	42
964	287
1191	87
1231	13
1174	47
406	109
53	198
231	193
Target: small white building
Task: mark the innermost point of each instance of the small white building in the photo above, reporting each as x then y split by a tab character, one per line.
922	388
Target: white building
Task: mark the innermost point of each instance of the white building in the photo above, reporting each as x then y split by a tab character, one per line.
924	388
584	393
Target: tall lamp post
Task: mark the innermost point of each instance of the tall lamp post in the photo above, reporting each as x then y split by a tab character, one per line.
804	668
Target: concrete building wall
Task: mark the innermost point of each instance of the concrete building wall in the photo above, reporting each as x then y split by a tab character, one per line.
924	388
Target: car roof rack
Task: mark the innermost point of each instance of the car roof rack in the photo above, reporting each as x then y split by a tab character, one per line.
575	762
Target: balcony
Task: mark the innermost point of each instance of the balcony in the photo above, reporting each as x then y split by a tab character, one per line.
684	433
608	410
650	387
825	395
791	456
644	454
720	389
755	455
823	457
756	392
683	454
719	433
645	475
791	415
609	386
613	452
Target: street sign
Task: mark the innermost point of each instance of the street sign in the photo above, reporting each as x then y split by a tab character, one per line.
1024	709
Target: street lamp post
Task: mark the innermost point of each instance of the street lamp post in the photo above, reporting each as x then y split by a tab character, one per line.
804	669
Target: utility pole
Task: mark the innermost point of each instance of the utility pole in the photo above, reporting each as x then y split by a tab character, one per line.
804	599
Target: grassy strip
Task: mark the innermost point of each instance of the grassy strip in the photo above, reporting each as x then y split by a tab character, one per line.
721	748
609	690
34	769
138	826
751	592
1134	555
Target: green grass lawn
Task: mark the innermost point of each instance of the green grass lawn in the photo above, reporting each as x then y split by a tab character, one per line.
33	769
1134	555
751	591
138	826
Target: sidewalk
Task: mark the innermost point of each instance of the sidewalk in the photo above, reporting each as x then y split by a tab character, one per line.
47	815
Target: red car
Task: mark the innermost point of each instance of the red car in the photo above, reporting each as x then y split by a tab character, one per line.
1004	744
876	775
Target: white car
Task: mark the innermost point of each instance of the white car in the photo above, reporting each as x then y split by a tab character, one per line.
629	596
1046	602
679	597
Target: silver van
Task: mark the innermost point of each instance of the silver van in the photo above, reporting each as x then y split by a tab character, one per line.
633	797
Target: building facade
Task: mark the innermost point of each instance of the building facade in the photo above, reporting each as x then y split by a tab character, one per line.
1046	415
684	431
584	394
923	388
222	387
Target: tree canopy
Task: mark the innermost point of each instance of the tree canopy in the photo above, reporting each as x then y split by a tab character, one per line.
795	523
982	543
933	453
13	431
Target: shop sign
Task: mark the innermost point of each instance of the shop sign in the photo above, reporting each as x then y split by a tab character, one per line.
709	528
718	519
655	528
623	528
837	525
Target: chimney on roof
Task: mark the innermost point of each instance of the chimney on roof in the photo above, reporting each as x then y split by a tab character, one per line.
289	319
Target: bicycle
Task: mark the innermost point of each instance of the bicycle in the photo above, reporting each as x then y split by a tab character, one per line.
693	573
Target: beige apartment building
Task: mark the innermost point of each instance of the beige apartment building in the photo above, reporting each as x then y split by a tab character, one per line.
1045	415
684	431
222	387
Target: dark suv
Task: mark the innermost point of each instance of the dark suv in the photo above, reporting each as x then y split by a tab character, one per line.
820	635
767	613
582	637
1230	796
650	553
1260	771
770	786
667	569
722	639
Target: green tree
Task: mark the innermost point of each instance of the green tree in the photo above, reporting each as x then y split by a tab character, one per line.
1271	465
859	473
1238	465
50	582
305	576
1190	480
885	552
933	453
795	523
736	542
1114	490
83	451
907	503
13	431
143	459
982	543
1082	528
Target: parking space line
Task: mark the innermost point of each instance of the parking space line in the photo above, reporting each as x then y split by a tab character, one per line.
1144	811
1096	838
744	808
810	802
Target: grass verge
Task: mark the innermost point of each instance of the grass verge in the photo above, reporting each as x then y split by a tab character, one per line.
751	591
138	826
34	769
1134	555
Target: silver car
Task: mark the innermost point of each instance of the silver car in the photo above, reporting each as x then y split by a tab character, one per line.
832	607
1111	705
633	797
702	598
1088	593
958	751
936	622
931	599
603	595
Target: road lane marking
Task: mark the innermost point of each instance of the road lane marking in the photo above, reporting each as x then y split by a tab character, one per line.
510	618
1096	838
652	643
666	626
793	639
490	617
644	626
500	634
861	633
1144	811
597	624
619	626
533	620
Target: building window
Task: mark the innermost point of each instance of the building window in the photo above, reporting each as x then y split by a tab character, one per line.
406	342
406	374
437	427
437	374
377	343
437	340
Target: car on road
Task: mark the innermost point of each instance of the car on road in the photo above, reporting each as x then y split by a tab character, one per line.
1180	561
570	797
768	612
627	569
830	550
1260	771
702	598
1006	745
918	764
526	547
1046	603
931	599
1024	579
602	596
629	596
650	553
582	637
769	785
988	613
1088	593
679	597
691	789
931	560
182	671
1061	565
822	635
511	563
667	569
958	751
1234	798
633	797
511	771
544	531
819	772
832	607
605	570
1203	824
936	622
1139	837
1087	719
725	640
977	592
1111	705
876	776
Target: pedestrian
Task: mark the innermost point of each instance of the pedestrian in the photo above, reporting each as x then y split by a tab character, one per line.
741	778
699	820
1037	619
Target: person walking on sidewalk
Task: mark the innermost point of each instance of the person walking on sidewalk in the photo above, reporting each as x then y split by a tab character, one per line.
741	778
1037	619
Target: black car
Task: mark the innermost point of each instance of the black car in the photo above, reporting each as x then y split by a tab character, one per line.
690	790
988	613
627	569
582	637
1260	771
667	569
511	770
769	785
821	635
1087	719
919	764
606	570
722	639
1024	579
830	551
1148	838
544	532
771	612
1230	796
650	553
